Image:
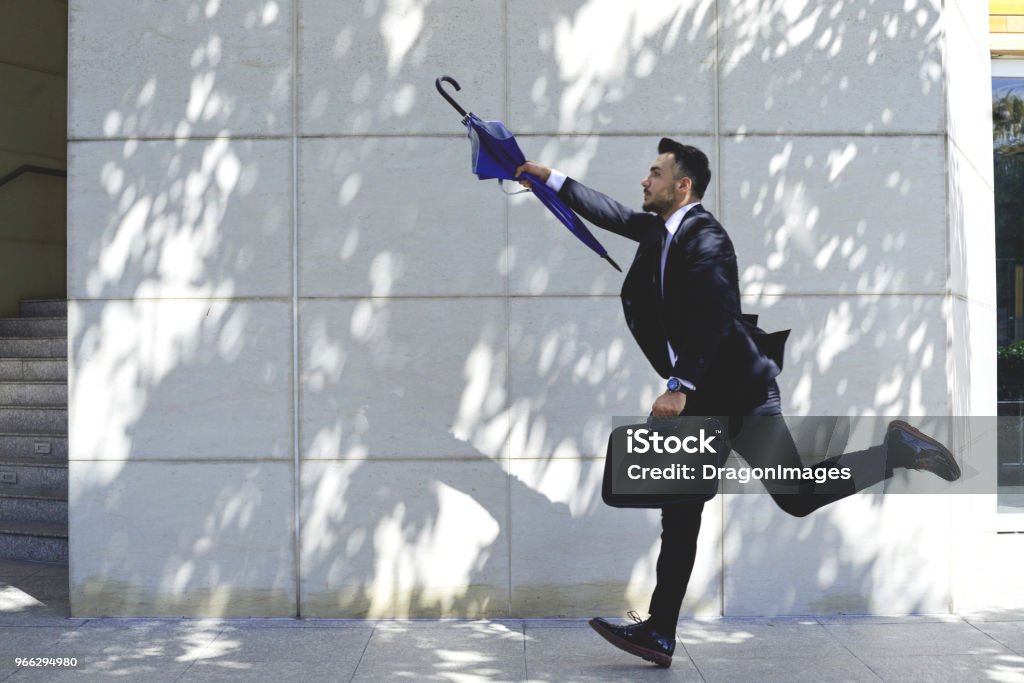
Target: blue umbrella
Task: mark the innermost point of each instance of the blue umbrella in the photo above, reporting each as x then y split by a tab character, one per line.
497	155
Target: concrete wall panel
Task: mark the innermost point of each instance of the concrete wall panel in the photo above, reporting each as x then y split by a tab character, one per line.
194	540
375	221
36	124
369	67
849	67
867	554
971	226
401	378
969	86
611	67
30	270
162	219
848	355
405	539
574	367
830	214
179	380
31	35
180	68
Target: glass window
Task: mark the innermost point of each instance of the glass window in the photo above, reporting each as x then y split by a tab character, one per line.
1008	147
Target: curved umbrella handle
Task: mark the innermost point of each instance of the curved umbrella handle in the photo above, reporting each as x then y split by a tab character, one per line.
451	101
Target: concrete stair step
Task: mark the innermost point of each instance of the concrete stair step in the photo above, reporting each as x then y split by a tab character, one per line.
33	327
45	505
33	419
33	433
33	347
36	446
32	473
30	528
33	370
43	308
34	541
33	393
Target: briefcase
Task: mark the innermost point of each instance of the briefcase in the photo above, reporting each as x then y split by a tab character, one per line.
664	461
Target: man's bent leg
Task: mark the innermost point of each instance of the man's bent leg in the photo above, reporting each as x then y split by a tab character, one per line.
680	525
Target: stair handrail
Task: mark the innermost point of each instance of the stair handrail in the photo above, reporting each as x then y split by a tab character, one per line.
31	168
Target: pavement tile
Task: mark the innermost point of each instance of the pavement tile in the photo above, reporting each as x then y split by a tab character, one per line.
754	639
51	570
236	647
40	587
834	667
279	672
994	615
467	651
882	640
1008	633
555	623
14	568
136	649
882	619
299	623
156	670
23	641
724	649
579	654
17	606
945	668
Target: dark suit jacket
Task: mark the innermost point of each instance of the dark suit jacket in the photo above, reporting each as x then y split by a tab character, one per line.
727	357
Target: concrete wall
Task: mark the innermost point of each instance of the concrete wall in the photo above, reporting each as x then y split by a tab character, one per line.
33	71
318	369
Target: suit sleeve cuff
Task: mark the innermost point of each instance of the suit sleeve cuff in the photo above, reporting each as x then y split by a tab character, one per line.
688	386
556	180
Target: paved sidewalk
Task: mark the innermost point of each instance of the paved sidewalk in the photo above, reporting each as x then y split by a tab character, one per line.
33	623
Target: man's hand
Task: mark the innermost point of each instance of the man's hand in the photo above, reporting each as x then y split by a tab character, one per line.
669	404
538	171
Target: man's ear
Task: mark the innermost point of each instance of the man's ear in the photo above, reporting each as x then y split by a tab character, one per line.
685	184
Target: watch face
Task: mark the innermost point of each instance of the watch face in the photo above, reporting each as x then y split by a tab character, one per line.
674	384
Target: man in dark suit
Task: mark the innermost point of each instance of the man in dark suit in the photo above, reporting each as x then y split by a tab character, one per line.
682	303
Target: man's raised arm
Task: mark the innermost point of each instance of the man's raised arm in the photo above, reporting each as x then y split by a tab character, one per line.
598	208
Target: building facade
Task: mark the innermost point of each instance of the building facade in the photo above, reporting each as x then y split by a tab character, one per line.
318	369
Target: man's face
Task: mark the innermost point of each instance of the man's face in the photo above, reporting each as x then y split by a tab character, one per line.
660	186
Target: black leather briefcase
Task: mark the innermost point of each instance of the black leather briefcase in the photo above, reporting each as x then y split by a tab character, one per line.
664	461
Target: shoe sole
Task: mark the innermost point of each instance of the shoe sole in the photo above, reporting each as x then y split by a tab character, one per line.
938	446
658	658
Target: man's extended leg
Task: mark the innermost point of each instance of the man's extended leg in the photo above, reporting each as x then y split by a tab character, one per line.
765	441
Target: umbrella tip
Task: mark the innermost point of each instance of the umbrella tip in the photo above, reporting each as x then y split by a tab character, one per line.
615	265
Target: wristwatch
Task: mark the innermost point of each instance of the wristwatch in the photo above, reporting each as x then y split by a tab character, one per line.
676	385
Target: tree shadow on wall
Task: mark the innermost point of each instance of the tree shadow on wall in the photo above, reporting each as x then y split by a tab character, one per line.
390	531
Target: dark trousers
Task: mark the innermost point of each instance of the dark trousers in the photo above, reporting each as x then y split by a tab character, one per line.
761	443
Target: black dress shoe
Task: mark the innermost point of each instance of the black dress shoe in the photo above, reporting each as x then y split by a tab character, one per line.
640	639
915	450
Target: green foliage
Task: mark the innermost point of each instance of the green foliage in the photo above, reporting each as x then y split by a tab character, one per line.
1010	372
1013	351
1008	124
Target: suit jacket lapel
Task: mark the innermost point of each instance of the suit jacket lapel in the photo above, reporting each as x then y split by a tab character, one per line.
677	239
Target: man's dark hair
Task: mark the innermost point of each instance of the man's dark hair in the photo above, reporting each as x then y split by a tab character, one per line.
690	162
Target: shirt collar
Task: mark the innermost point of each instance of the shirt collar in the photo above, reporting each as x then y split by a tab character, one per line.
676	219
